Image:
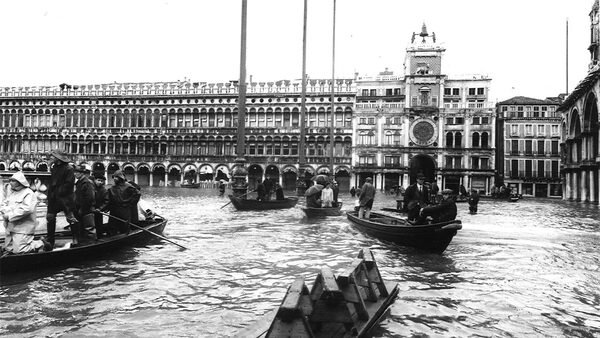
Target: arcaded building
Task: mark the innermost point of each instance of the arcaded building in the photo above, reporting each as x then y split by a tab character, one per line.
163	133
580	130
424	121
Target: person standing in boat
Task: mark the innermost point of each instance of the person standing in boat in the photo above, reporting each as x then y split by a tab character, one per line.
279	192
327	196
336	192
60	192
260	191
269	185
122	199
18	211
366	198
100	202
443	212
416	196
85	198
221	187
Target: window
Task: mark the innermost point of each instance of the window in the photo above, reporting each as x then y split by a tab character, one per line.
397	91
365	92
366	137
541	130
540	147
514	129
528	147
392	137
485	120
475	140
447	91
555	172
514	147
472	91
389	92
529	130
554	130
514	168
476	120
366	160
449	120
475	162
540	168
480	91
392	161
456	91
554	147
459	120
373	92
528	168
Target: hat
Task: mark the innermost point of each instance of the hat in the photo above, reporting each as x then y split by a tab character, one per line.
99	176
447	192
420	176
82	169
369	179
60	155
20	177
119	174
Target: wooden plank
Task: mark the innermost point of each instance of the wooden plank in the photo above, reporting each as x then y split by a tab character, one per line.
290	306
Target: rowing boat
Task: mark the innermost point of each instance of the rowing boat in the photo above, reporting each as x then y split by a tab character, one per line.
433	237
323	212
65	254
253	204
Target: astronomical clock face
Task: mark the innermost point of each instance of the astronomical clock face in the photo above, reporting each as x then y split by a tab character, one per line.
423	132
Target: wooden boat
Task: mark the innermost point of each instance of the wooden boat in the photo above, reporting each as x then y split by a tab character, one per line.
347	305
322	212
431	237
513	198
253	204
398	211
64	255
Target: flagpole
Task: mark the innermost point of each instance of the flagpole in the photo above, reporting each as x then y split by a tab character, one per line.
301	184
332	116
239	173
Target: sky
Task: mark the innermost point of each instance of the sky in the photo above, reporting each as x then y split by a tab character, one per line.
519	44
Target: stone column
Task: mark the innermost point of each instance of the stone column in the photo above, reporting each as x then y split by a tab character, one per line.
584	183
567	186
405	181
151	181
379	179
591	181
181	177
574	186
135	177
166	179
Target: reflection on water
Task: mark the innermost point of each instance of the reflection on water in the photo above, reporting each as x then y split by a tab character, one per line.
516	269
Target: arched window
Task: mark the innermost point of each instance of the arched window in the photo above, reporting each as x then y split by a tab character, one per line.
449	139
458	140
475	140
484	140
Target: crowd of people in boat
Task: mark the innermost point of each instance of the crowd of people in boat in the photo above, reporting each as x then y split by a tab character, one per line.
83	199
323	194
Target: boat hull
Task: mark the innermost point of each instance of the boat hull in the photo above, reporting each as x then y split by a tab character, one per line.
252	204
32	261
322	212
430	237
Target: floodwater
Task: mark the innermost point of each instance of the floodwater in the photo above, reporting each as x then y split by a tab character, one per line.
529	268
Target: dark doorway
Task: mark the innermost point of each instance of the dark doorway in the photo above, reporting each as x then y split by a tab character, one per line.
452	182
423	164
342	177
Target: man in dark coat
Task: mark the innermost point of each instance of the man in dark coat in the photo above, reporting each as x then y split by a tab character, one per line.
416	196
260	191
85	198
100	202
122	198
443	212
473	201
366	198
60	192
336	192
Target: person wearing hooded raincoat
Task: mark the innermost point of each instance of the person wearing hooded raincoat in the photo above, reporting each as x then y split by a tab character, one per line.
18	211
327	196
122	199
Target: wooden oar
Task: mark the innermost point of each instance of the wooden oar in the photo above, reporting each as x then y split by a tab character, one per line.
141	228
238	197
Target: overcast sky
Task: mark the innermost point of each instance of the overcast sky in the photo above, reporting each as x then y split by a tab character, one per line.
520	44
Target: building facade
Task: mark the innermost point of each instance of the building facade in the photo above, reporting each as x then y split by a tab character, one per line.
528	148
424	121
580	139
163	133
